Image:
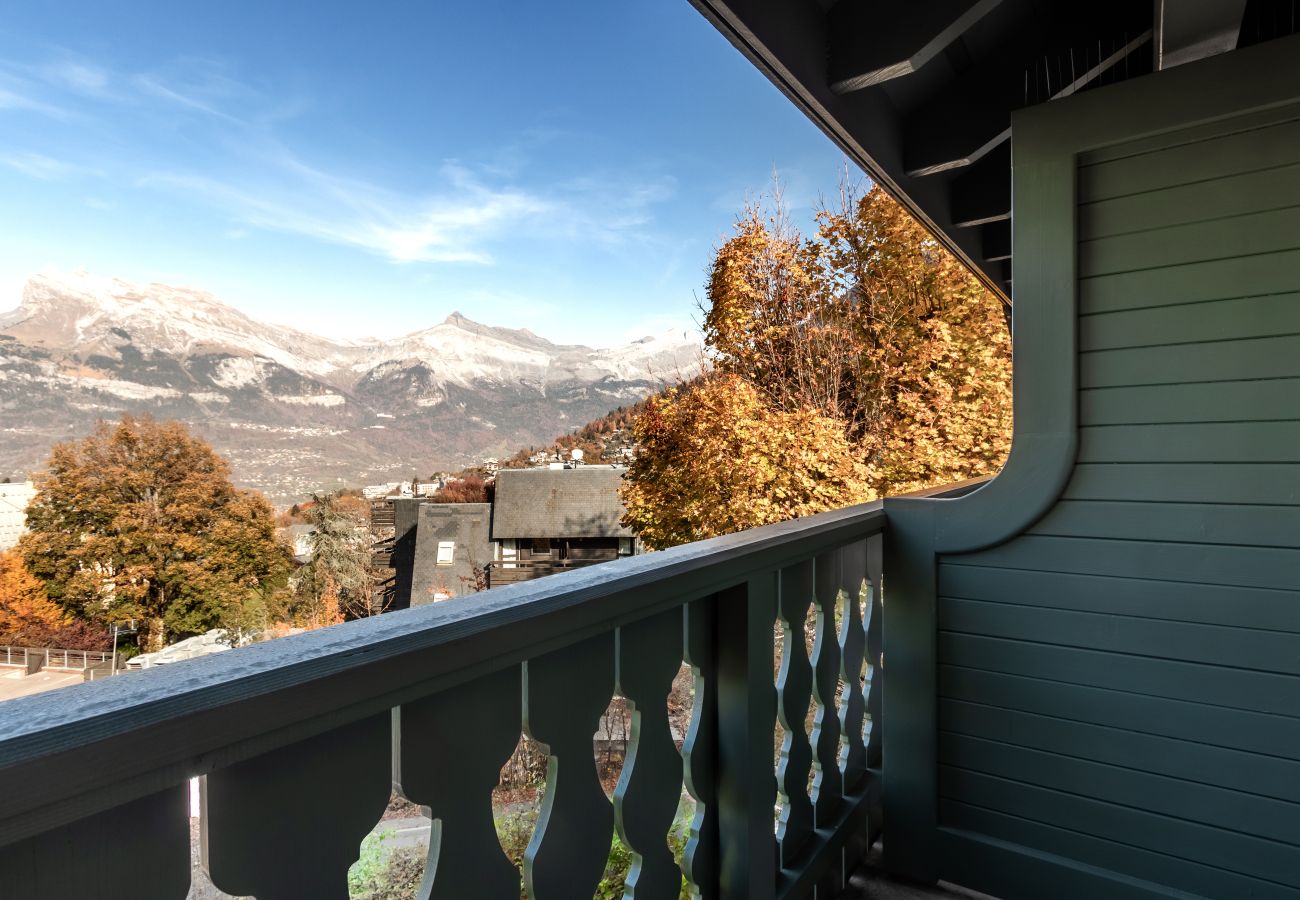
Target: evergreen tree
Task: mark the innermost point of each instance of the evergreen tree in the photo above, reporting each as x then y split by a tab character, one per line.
335	583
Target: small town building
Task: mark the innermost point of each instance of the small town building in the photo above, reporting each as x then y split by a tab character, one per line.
452	550
14	497
552	519
539	522
298	537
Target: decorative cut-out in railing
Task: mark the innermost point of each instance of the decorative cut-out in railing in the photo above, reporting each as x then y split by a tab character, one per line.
648	793
872	624
327	793
565	693
453	745
827	782
700	750
853	640
794	699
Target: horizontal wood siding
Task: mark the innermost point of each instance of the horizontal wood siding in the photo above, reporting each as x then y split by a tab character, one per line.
1120	686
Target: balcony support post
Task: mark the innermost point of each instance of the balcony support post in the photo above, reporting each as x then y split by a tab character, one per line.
746	719
910	732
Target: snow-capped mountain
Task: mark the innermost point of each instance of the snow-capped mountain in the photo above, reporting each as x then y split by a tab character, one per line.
295	411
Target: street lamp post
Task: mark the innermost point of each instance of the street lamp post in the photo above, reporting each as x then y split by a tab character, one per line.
118	629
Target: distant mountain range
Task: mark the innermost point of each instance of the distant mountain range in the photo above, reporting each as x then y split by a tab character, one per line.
294	411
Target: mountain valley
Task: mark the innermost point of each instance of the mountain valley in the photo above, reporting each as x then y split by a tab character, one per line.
293	411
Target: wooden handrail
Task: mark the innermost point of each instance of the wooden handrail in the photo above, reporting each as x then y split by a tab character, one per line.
265	714
66	755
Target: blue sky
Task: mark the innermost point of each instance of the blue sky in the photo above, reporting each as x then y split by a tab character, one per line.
564	167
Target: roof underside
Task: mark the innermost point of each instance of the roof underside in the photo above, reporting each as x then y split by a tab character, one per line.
920	93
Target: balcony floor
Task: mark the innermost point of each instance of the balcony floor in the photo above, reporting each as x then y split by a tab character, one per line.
870	882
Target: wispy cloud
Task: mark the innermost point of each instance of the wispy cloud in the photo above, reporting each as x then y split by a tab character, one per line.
452	226
45	168
13	100
75	75
461	212
152	85
462	215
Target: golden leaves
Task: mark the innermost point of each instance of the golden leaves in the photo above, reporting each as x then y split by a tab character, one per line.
864	361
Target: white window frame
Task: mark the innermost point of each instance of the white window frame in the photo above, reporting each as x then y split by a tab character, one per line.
446	553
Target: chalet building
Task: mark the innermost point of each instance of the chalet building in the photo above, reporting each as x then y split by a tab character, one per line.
549	520
451	551
1092	686
540	522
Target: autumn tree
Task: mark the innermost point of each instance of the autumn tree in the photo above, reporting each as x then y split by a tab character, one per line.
870	328
927	374
140	521
715	458
29	619
466	489
335	582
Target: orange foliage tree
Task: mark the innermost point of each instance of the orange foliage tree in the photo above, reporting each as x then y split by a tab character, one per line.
29	619
716	459
139	521
870	330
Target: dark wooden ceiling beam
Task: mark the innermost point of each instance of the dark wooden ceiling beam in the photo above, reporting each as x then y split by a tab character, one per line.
1188	30
972	117
981	193
872	43
997	241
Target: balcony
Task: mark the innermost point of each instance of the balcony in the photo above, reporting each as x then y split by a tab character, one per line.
1085	680
300	742
503	573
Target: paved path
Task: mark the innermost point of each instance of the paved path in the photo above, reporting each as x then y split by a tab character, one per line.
410	832
14	683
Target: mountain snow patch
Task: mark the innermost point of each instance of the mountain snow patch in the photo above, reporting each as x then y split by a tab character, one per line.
127	390
314	399
240	371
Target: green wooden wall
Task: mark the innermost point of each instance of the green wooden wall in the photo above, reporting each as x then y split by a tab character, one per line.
1119	685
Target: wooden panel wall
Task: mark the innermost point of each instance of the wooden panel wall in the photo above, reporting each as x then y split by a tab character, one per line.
1121	685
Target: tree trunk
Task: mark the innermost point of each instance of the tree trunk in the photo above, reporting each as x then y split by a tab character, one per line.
152	638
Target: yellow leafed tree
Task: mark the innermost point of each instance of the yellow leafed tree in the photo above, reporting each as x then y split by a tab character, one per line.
716	459
878	349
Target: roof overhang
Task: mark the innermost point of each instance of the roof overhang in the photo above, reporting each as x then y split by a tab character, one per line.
920	94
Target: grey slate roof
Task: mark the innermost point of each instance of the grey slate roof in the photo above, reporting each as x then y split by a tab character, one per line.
466	525
558	503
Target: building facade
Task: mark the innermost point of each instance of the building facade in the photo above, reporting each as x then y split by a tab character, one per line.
539	522
14	498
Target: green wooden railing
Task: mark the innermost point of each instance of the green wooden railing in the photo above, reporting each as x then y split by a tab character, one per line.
301	740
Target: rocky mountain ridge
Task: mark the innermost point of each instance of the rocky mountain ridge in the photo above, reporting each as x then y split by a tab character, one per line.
296	411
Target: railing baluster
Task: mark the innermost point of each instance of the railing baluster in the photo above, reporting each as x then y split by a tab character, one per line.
853	640
794	696
827	791
649	656
452	747
565	694
701	749
875	677
746	723
289	823
137	850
